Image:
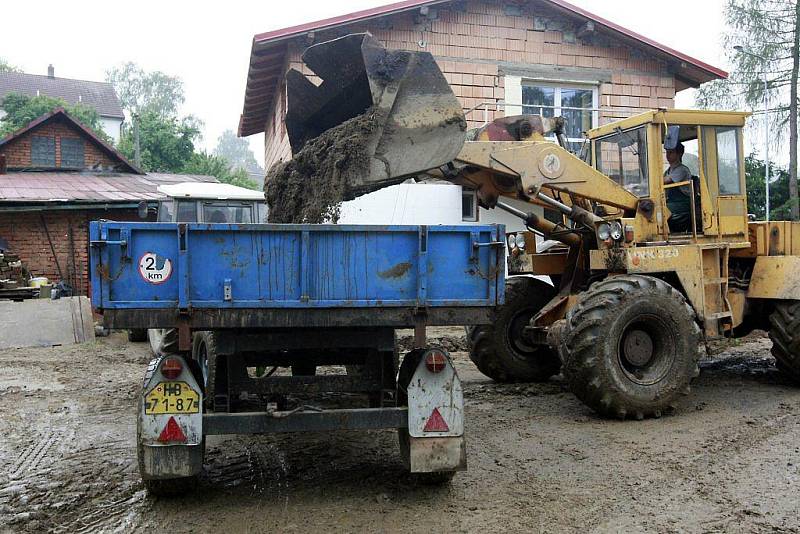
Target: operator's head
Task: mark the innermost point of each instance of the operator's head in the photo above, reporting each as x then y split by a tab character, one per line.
676	155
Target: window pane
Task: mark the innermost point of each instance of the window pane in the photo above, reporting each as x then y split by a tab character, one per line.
623	158
43	151
533	96
72	153
468	204
577	121
728	161
187	212
165	211
216	212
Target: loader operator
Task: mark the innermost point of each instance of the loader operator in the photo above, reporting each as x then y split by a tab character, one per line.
678	198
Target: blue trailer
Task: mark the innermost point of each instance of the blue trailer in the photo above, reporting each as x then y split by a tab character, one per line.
238	297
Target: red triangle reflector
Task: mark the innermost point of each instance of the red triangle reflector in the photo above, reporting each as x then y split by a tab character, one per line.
436	423
172	432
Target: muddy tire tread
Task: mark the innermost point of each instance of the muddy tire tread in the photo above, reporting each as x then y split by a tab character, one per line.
785	336
588	325
489	349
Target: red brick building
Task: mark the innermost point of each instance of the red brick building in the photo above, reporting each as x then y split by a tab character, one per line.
500	57
55	177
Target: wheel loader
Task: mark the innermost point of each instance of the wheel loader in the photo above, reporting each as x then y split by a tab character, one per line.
632	302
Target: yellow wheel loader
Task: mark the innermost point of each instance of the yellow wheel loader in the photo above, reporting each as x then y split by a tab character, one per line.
638	290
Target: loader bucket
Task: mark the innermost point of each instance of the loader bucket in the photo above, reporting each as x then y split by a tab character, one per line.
418	125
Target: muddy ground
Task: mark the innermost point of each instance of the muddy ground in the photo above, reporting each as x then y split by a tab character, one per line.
539	461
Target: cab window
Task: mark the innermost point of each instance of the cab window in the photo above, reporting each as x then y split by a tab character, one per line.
728	161
165	211
187	212
218	212
623	158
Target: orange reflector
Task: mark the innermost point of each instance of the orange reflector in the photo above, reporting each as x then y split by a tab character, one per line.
436	423
172	433
435	361
171	368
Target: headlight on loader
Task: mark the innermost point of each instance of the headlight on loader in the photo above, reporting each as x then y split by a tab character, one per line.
604	231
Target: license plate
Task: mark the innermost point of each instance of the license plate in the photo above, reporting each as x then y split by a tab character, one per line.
171	398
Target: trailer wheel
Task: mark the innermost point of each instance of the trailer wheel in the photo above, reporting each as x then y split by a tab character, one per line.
163	340
785	335
137	335
499	350
632	347
407	368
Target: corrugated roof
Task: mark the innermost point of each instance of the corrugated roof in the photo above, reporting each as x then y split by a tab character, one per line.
64	187
268	54
98	95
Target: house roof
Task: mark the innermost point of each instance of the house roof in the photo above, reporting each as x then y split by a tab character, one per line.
61	188
61	114
269	50
97	95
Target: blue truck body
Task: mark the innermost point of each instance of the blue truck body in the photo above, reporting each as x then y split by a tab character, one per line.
178	268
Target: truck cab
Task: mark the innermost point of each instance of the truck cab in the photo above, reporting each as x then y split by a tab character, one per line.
193	202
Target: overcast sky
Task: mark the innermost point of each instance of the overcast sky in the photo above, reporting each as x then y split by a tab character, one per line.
207	44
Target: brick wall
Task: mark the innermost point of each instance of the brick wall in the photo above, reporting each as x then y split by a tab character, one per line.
478	43
18	152
26	236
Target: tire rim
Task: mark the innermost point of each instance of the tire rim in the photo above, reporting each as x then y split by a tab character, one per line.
516	330
202	360
156	337
647	350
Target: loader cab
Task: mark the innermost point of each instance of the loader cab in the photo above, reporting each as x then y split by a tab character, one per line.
631	152
211	203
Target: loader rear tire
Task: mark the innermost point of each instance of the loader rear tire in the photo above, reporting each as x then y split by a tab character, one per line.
785	336
632	347
499	351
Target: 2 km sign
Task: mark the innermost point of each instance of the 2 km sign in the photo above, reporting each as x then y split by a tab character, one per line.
155	269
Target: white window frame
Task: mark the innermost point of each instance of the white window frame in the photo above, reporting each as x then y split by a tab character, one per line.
514	105
473	196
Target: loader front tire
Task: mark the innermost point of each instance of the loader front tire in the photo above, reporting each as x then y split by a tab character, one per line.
785	336
500	351
632	347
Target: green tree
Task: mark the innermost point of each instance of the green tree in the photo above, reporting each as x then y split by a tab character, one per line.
766	34
143	92
167	144
5	66
237	151
780	205
218	167
22	109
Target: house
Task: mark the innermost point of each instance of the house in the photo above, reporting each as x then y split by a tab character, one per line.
56	175
99	96
500	57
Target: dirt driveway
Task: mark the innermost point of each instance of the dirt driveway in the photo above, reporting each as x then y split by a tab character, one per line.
539	461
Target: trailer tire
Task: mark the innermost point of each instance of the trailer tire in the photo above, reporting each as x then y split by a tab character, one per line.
163	341
632	347
137	335
785	336
497	349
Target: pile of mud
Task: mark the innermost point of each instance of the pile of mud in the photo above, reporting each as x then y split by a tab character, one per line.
310	187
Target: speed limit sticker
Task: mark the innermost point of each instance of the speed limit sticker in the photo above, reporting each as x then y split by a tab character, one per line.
155	269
